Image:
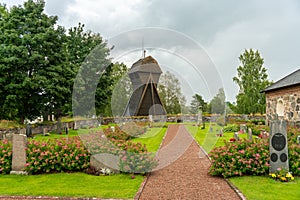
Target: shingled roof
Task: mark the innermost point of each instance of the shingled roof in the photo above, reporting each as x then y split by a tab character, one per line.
148	64
290	80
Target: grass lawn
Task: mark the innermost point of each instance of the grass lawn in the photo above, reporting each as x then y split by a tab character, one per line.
265	188
152	138
209	140
71	185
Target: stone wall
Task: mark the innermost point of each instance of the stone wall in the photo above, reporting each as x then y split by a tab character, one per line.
284	102
7	133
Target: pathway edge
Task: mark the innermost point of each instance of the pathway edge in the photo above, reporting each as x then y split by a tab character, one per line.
235	189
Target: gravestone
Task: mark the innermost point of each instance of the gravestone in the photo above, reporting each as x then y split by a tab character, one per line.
199	120
18	154
243	128
150	120
28	130
236	136
112	128
250	134
44	131
278	146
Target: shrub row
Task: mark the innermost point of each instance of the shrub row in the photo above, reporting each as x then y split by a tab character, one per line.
294	150
5	156
251	158
134	157
240	158
56	155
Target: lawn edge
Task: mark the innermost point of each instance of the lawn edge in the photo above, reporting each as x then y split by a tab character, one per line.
235	189
138	194
142	186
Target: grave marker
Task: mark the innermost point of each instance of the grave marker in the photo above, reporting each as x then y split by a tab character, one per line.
18	154
250	134
243	128
28	130
236	136
199	120
278	146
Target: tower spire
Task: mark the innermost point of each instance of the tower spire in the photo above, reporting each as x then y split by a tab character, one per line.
143	49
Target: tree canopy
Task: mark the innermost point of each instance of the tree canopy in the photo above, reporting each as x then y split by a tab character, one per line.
252	78
169	90
198	103
217	104
39	61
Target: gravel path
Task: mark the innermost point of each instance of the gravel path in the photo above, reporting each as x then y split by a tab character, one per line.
187	177
181	173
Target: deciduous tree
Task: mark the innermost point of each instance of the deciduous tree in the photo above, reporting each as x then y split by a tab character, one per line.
169	90
217	104
196	103
252	78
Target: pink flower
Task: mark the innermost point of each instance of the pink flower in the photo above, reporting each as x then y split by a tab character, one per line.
242	151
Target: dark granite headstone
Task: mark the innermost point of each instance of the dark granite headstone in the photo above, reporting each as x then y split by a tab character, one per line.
18	154
28	130
278	146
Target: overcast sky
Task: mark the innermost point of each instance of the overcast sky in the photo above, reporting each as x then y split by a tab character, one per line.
223	29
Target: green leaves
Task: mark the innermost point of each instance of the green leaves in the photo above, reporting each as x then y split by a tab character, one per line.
39	61
252	78
170	93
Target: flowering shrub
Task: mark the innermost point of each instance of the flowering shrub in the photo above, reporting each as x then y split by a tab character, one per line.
240	158
133	156
294	150
56	156
134	129
5	156
251	158
118	134
137	162
282	175
134	147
